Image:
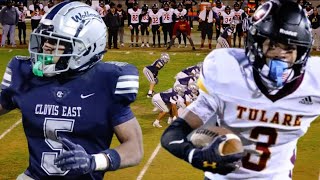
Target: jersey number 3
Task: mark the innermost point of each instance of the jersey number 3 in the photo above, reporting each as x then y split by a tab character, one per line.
262	148
51	127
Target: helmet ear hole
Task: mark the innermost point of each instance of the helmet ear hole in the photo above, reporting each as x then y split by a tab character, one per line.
87	52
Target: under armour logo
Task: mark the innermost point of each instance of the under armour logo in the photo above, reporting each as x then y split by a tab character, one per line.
213	165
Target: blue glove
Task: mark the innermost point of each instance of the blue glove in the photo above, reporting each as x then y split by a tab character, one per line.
75	159
209	158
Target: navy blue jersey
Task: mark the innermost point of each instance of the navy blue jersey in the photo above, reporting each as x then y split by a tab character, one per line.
169	97
156	66
192	70
185	81
84	108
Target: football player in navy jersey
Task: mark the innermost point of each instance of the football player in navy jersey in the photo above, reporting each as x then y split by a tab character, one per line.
167	102
72	103
189	71
151	71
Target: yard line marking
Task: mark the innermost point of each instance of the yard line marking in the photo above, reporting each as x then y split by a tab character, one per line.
12	127
145	168
10	50
128	52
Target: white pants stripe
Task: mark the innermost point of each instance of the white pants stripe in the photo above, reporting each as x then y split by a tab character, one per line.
149	75
158	102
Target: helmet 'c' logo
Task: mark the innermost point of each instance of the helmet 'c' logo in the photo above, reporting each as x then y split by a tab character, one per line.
79	17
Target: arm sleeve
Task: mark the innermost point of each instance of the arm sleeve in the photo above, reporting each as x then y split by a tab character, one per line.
127	84
7	88
129	18
125	92
174	139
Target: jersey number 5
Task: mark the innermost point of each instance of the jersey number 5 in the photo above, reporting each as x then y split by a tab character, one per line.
51	127
262	148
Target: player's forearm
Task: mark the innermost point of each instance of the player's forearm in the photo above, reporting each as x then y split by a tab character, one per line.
131	148
131	153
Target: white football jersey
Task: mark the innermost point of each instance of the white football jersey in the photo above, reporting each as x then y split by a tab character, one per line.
268	127
178	13
134	15
218	11
237	16
166	15
145	18
227	18
155	18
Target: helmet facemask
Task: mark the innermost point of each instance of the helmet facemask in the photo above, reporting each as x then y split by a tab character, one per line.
51	52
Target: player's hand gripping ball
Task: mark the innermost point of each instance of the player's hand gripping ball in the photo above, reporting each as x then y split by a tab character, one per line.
205	135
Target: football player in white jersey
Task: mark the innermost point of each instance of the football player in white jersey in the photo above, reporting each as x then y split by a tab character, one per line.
269	100
237	19
155	24
133	22
145	21
218	9
168	17
226	18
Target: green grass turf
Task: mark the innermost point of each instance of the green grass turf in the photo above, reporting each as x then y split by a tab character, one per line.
13	147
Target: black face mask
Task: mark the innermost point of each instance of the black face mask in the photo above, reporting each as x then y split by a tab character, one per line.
135	8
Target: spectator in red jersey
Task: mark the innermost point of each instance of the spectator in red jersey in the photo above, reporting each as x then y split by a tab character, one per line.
181	27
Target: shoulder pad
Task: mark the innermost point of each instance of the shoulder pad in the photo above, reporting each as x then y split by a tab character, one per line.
117	63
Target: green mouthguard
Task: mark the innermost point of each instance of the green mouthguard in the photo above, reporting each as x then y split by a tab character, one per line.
37	67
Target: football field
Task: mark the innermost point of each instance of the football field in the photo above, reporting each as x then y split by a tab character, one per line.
157	163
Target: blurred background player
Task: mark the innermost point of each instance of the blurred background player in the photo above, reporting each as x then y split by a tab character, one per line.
133	23
151	72
315	25
167	19
189	5
180	11
226	18
22	28
237	20
166	102
145	21
218	9
224	40
155	24
182	27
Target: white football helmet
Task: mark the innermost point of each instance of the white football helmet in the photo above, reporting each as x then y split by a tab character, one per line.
193	87
180	89
165	57
78	28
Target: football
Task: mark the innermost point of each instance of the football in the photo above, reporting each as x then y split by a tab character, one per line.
204	135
